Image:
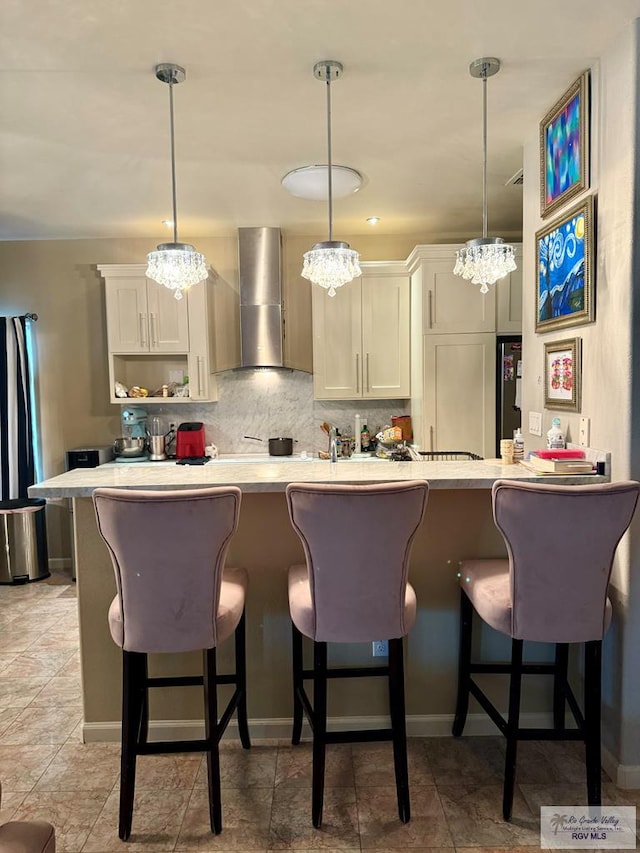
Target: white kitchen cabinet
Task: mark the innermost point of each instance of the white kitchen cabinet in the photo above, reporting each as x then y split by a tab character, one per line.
143	316
361	336
459	393
509	300
452	305
154	338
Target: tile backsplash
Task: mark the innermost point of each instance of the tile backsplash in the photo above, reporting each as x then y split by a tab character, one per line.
275	403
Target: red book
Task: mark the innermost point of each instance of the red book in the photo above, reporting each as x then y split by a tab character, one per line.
558	454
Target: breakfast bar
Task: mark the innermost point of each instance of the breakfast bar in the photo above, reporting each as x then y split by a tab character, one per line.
458	524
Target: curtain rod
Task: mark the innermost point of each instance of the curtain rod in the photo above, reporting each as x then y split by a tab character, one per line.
33	317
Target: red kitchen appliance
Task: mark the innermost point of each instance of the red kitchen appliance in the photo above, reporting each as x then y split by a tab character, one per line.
190	440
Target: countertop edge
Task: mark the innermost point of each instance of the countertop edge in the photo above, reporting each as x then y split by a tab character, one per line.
81	482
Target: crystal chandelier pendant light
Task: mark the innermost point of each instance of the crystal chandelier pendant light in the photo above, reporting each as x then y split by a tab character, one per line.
331	263
176	265
487	259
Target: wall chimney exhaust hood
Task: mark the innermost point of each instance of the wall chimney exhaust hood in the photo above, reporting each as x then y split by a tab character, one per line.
261	321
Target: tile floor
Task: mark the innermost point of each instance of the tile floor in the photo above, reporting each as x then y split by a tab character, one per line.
47	772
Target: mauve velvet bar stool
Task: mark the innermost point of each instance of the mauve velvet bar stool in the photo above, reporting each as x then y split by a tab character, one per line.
561	541
353	589
174	594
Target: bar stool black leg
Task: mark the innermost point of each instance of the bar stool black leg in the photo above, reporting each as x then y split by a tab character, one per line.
592	711
144	716
513	723
399	727
211	734
319	730
296	640
241	683
464	665
559	683
132	668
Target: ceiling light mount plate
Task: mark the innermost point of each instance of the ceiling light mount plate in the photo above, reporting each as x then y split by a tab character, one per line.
328	70
169	72
486	66
311	181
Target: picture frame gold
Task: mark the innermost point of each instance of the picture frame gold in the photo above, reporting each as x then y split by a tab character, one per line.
563	374
565	287
564	147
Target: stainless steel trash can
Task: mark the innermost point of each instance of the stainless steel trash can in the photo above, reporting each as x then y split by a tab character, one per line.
23	541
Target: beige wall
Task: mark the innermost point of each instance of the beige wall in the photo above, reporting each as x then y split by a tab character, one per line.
607	346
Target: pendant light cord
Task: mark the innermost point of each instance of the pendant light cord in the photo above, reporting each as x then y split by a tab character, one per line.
173	165
329	166
484	154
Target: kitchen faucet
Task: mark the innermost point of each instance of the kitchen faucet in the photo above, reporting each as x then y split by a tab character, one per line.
333	447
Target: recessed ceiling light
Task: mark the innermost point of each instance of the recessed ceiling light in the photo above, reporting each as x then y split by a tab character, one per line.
311	182
168	223
373	220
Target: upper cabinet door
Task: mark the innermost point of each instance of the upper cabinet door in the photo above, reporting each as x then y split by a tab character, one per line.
168	319
385	334
337	342
451	304
127	314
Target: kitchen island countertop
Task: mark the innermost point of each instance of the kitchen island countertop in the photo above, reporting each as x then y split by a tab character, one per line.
458	523
273	476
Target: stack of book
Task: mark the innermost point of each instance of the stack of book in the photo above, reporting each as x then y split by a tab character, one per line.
558	462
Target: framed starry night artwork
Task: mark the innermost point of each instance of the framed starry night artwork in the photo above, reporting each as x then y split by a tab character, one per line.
564	269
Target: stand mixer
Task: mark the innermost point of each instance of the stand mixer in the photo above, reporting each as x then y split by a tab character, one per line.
132	446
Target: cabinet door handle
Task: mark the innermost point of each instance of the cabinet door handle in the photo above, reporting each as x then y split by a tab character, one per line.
154	337
199	362
143	328
431	309
357	373
431	438
368	388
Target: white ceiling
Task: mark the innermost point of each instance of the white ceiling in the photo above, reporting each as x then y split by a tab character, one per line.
84	124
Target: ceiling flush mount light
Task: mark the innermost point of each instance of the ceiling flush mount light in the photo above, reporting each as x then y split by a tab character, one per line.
175	265
332	263
487	259
311	182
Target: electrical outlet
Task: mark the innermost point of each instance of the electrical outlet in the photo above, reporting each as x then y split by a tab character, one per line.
380	648
585	425
535	423
176	376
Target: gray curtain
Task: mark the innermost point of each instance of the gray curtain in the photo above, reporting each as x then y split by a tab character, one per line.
17	468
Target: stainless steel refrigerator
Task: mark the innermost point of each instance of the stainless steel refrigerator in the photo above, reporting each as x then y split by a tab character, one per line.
508	386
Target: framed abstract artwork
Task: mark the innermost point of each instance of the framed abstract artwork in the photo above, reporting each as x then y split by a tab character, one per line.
564	270
562	375
564	147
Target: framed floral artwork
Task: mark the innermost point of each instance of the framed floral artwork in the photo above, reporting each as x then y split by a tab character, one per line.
564	270
564	147
562	375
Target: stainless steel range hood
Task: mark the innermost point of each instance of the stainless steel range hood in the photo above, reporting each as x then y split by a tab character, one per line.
260	268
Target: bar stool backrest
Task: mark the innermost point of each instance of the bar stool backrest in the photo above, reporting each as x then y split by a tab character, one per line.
168	551
357	541
561	541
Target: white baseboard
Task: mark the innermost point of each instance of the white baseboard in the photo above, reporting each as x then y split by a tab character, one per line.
57	563
624	775
433	725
